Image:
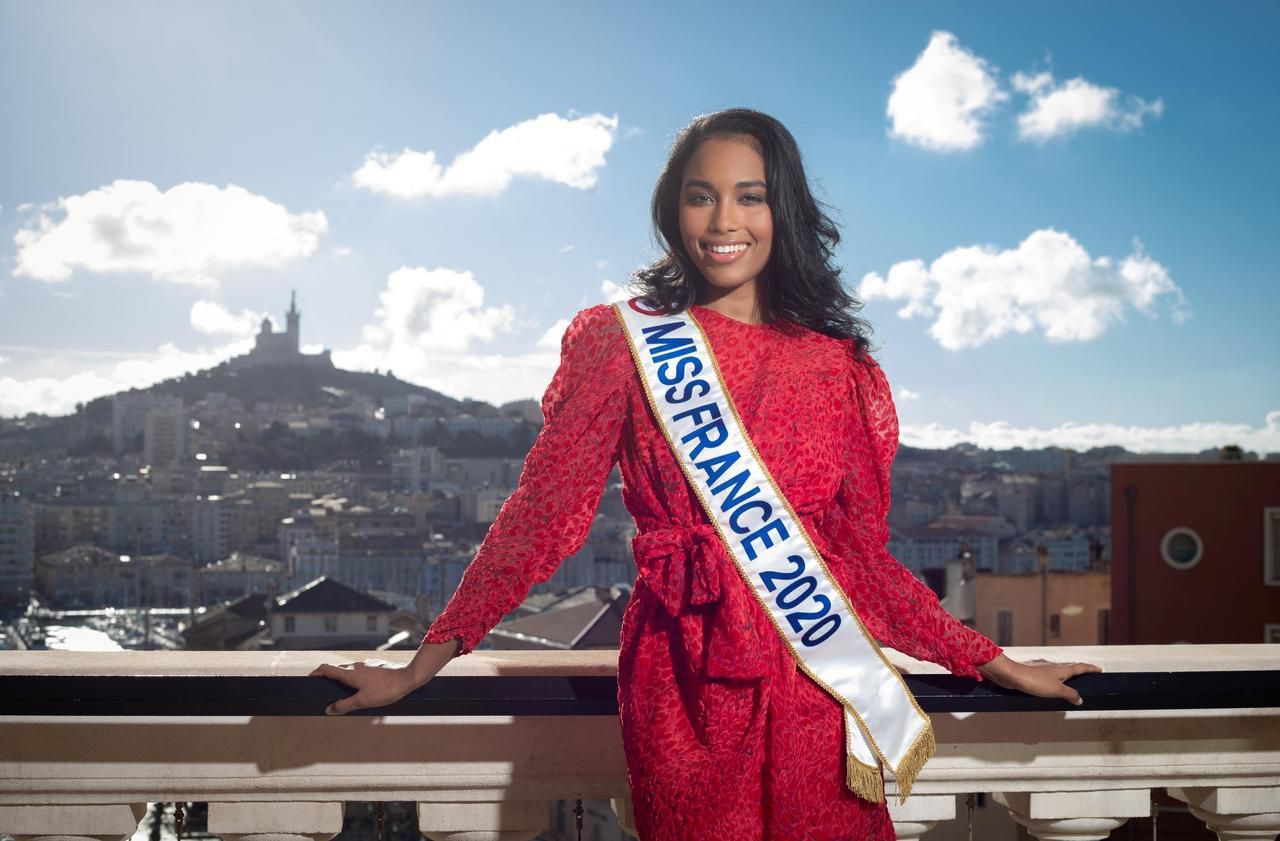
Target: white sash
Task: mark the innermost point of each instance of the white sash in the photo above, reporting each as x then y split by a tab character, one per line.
774	553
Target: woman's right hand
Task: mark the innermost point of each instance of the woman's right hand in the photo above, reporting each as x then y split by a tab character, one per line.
1042	678
379	683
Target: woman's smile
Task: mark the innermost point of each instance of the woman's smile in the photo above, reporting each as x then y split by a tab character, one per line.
725	220
721	254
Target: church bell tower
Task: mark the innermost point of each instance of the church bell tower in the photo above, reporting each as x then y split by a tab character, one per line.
293	317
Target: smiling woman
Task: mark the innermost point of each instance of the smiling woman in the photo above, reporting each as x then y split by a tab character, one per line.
725	221
736	177
730	729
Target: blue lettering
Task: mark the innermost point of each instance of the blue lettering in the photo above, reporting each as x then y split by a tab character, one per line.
766	511
715	466
657	341
762	534
684	350
734	485
696	413
704	436
694	362
687	394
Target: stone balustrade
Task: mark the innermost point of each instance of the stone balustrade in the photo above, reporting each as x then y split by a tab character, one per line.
87	739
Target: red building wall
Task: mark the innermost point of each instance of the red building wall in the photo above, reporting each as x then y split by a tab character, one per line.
1222	597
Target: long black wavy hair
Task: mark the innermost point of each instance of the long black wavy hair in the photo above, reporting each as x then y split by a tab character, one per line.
800	281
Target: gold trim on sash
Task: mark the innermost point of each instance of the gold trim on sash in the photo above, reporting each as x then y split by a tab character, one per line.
863	779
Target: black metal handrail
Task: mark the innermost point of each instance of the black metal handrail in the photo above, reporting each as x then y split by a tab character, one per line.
444	695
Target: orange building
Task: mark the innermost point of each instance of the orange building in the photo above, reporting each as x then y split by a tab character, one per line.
1054	608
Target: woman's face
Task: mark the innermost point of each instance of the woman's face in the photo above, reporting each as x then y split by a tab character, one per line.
723	201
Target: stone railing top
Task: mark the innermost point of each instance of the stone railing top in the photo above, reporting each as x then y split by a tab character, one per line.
500	726
602	662
141	683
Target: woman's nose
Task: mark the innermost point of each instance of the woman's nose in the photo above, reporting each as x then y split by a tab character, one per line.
725	218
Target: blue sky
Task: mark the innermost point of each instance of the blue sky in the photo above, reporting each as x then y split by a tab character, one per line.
1062	217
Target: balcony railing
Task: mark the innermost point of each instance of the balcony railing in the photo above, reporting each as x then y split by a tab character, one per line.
87	739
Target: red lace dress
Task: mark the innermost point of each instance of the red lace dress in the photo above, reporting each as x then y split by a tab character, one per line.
724	737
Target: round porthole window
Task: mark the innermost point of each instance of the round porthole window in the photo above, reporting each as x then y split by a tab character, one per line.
1181	548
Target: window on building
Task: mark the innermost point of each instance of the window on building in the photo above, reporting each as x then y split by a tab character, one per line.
1271	634
1181	548
1271	546
331	623
289	624
1104	626
1055	624
1004	627
371	622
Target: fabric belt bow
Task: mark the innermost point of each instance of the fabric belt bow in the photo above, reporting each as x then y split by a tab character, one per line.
688	566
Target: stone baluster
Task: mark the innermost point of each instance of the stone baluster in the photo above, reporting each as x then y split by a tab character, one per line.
72	822
1234	813
1075	815
275	820
504	820
921	813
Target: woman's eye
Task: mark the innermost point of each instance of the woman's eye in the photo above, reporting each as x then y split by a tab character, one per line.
751	198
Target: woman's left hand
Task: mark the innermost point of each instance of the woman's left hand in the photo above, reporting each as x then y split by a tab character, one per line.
1041	678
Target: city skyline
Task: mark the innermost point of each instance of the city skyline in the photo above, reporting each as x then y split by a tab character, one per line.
1056	245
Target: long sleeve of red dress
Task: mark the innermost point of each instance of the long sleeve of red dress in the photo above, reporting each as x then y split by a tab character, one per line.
548	516
725	737
902	612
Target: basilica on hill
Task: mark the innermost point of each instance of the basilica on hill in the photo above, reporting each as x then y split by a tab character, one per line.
271	348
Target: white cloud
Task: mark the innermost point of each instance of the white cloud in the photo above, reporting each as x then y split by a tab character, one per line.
565	249
600	264
436	309
342	251
58	396
1181	438
939	103
425	330
550	340
905	393
3	359
190	233
1062	109
614	292
1048	283
72	352
566	151
213	319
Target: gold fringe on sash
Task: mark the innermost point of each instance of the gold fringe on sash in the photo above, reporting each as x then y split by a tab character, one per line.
866	780
923	748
